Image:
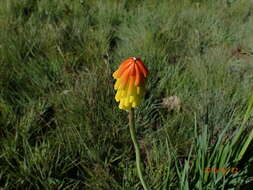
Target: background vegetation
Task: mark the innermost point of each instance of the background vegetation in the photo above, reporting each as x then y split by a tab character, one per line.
60	127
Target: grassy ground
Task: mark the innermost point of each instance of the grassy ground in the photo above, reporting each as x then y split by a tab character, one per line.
60	127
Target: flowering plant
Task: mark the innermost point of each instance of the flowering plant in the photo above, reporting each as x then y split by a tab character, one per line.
130	84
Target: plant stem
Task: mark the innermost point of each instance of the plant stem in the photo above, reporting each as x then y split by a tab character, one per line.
136	147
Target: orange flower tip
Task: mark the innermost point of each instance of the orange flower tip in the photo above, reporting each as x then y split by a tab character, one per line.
137	76
115	74
123	67
142	68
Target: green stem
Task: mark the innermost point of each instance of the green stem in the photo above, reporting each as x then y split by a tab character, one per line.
136	147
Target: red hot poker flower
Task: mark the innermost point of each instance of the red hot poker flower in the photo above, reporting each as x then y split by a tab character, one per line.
130	81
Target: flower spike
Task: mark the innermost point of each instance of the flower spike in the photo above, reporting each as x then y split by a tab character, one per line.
130	82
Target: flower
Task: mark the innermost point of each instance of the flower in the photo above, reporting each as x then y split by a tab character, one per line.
130	82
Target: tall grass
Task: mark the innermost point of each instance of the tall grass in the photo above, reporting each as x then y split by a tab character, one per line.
60	127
